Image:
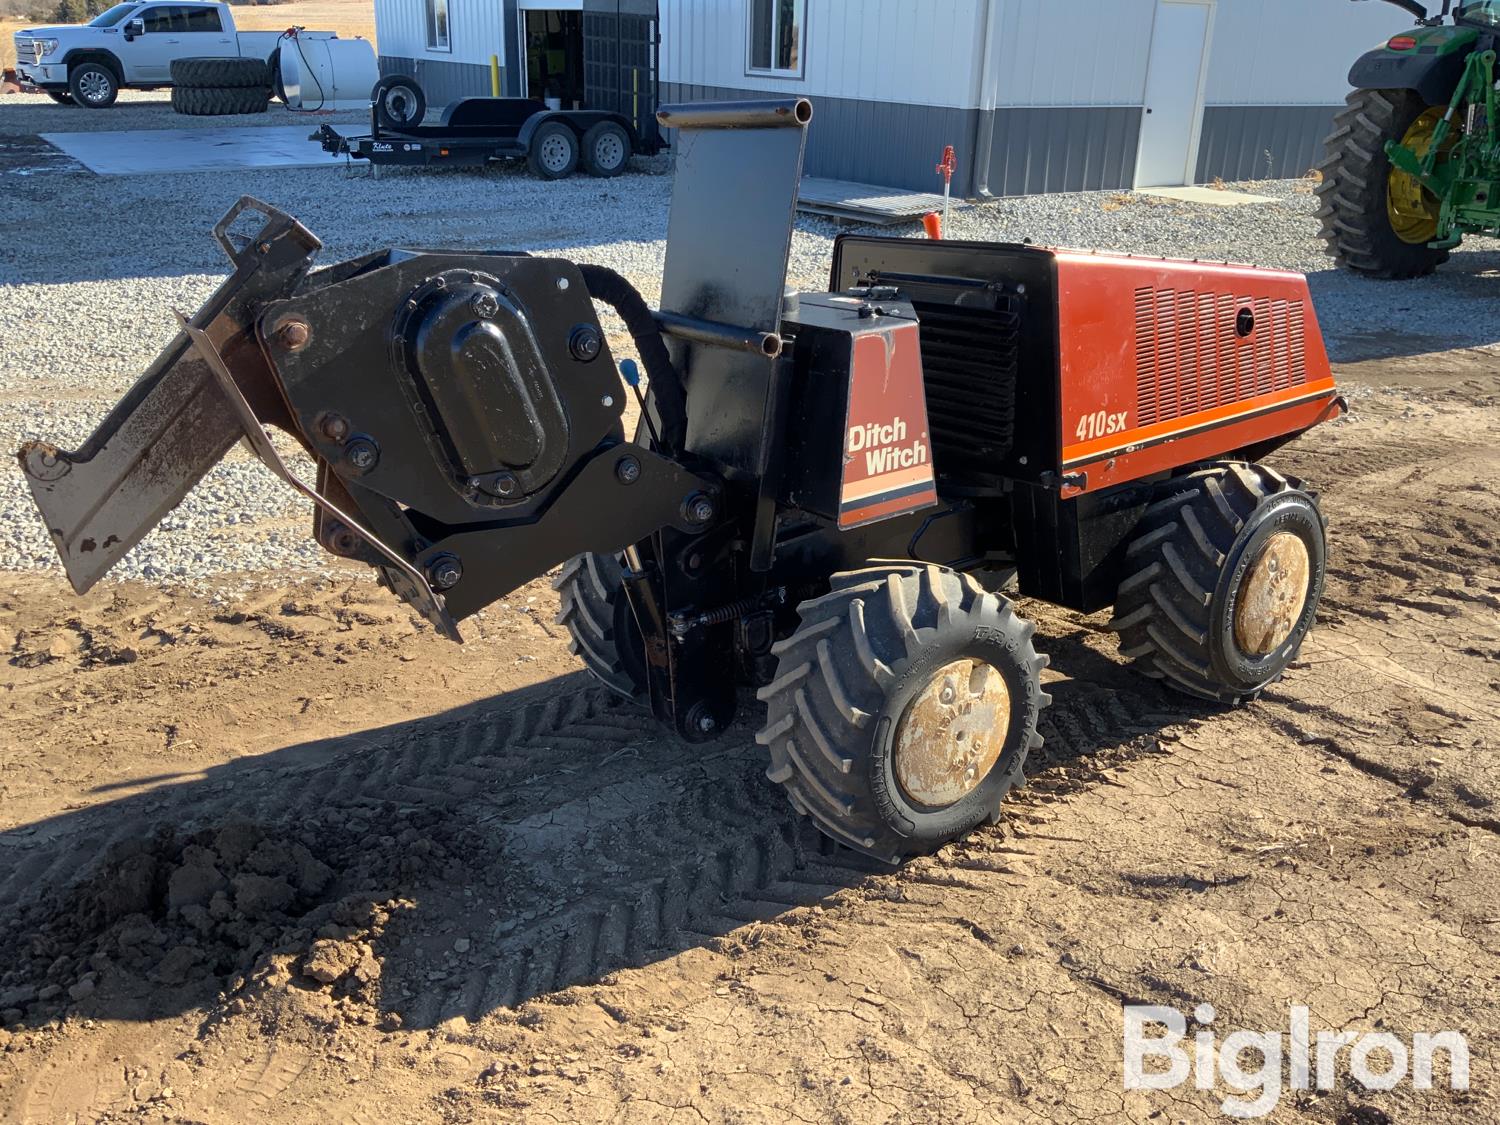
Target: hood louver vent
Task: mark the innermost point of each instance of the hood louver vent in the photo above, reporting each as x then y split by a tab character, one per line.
1191	355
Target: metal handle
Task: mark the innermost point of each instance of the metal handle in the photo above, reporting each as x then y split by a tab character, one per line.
792	112
718	335
243	204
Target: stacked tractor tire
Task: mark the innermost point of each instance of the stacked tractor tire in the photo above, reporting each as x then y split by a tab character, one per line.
220	87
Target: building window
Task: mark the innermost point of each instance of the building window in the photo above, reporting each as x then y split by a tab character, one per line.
776	29
437	26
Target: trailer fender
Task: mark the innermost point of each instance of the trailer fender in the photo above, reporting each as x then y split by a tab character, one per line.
1433	67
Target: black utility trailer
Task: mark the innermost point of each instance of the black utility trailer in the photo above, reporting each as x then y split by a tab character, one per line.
555	143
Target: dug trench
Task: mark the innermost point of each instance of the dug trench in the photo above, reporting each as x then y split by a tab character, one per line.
283	853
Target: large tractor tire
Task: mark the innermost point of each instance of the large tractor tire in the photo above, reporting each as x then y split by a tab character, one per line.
903	708
273	69
229	102
1223	579
1377	220
602	625
219	74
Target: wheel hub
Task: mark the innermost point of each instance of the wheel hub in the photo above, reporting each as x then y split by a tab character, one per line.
1272	595
952	733
94	86
1411	208
608	152
554	154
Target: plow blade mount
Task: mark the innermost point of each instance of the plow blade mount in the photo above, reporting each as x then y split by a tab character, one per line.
174	424
462	410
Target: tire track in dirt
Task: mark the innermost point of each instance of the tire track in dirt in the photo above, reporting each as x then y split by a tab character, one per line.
596	842
691	853
610	844
1409	631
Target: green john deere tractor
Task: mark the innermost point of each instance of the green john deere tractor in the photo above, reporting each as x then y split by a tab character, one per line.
1414	160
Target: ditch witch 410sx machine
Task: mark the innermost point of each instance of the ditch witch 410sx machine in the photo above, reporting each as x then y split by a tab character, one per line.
826	488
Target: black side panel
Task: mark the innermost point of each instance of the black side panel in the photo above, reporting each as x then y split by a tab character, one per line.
989	350
1432	76
1071	552
620	65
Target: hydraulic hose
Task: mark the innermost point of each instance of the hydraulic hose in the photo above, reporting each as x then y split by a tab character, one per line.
667	393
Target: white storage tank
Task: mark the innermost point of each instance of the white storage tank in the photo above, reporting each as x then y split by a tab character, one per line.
321	71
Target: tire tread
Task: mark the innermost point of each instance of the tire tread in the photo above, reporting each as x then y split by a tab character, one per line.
1164	626
861	637
589	593
1354	225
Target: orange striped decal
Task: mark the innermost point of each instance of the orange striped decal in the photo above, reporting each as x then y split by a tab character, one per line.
1130	440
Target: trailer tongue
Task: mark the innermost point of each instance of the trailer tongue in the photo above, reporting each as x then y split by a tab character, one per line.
826	488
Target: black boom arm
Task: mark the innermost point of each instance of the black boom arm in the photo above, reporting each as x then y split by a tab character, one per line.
1419	11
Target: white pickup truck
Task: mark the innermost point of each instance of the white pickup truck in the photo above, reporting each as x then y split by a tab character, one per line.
132	44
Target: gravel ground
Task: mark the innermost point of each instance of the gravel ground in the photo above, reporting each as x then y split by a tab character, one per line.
81	316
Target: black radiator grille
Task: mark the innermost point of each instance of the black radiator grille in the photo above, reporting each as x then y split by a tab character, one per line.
970	362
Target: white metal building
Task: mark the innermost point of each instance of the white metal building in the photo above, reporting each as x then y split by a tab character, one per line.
1035	95
599	53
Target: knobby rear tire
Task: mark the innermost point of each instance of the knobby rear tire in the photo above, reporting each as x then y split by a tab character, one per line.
1356	226
1186	566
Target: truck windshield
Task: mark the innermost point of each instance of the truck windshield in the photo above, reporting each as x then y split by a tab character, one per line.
1487	13
111	16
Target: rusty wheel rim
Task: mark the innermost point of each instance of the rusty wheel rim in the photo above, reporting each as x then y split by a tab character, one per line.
1272	595
952	733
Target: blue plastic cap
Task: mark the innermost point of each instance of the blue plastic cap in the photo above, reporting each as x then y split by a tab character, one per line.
630	372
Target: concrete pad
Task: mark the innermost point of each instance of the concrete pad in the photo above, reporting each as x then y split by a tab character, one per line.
1214	197
870	203
148	152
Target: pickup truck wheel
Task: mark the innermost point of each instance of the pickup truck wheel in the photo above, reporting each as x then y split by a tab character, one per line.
221	74
61	97
606	150
554	151
93	85
193	102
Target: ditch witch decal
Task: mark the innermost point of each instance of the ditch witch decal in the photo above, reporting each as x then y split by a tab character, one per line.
887	451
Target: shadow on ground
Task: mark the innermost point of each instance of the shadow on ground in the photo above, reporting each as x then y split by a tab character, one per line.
1456	307
452	865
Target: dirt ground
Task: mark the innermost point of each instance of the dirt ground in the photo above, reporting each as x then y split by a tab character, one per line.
284	855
